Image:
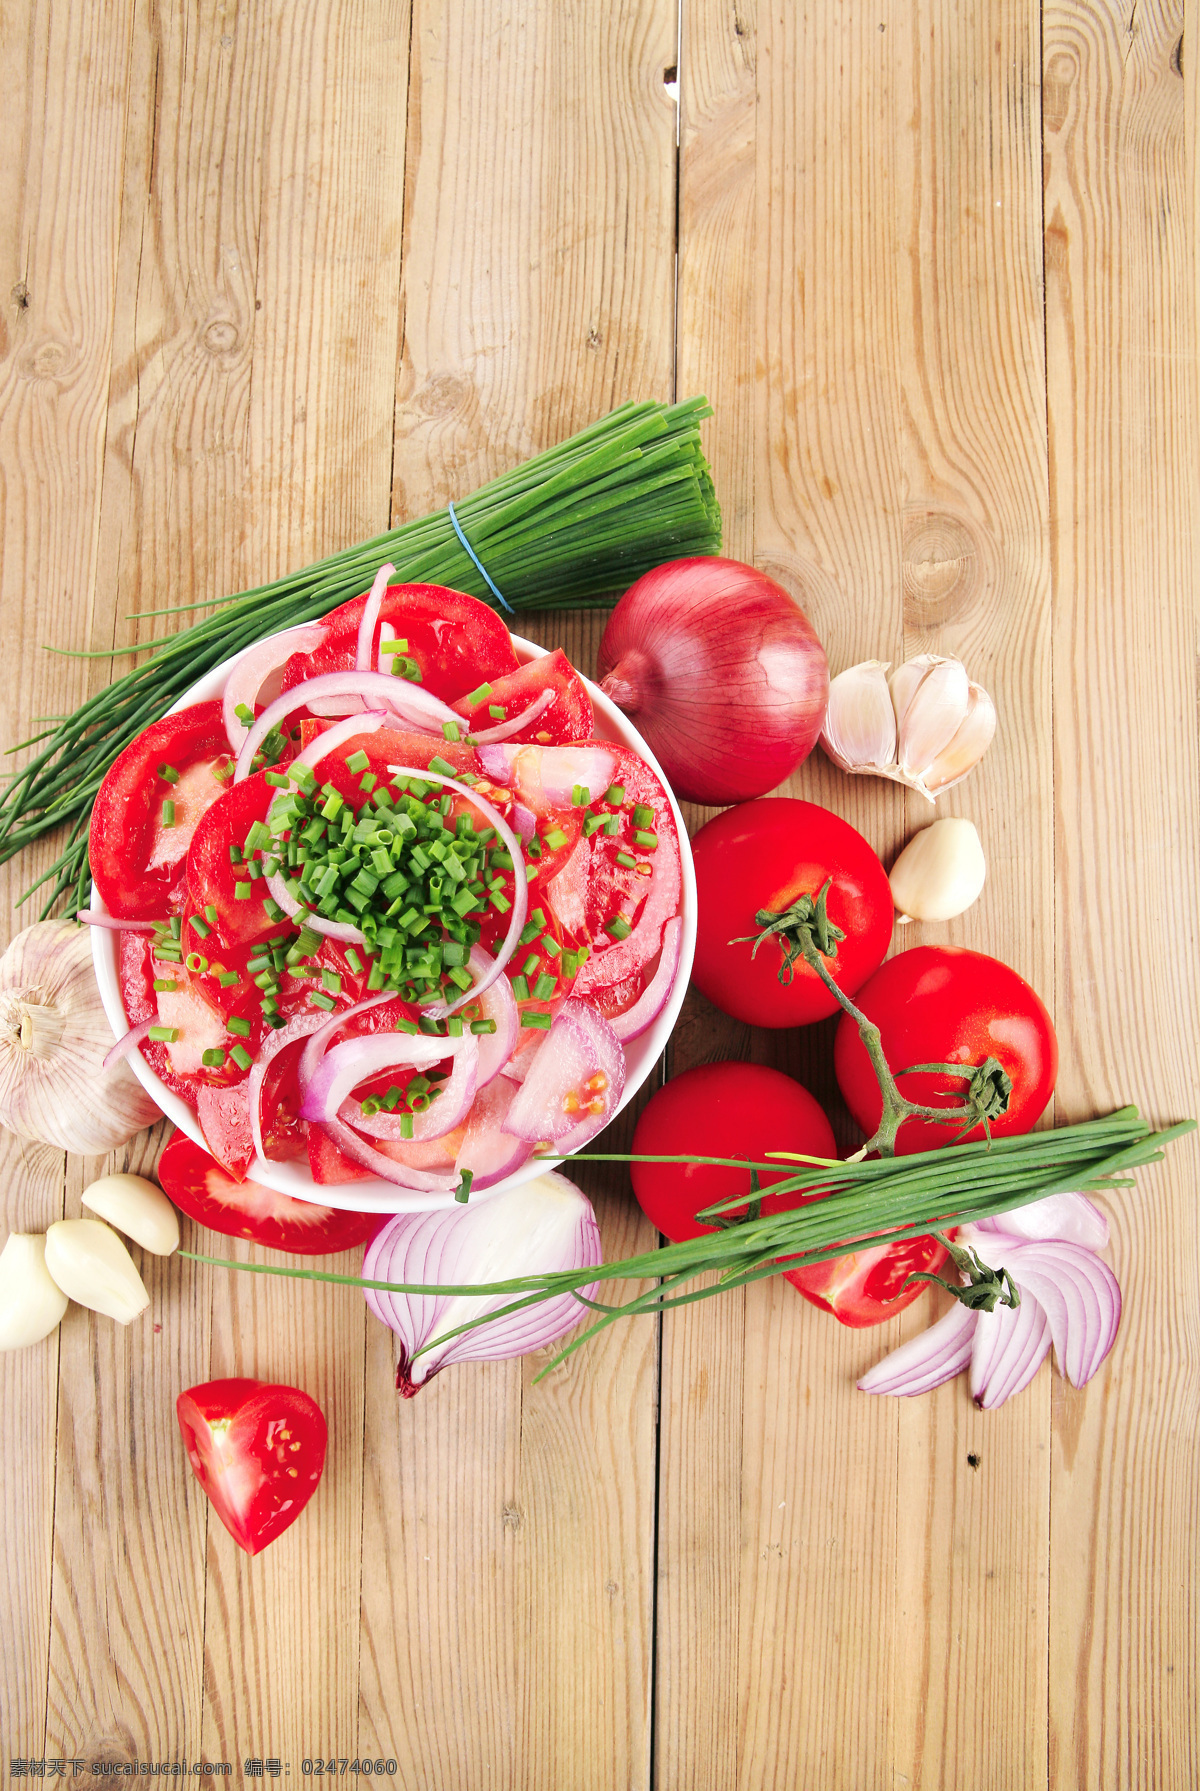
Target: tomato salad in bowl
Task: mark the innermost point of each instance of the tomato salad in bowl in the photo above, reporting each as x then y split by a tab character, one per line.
392	909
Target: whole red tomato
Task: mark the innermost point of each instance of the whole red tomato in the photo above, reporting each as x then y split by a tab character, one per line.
942	1004
258	1452
207	1193
722	1110
762	856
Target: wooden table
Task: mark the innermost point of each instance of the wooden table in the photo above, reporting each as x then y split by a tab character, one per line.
276	273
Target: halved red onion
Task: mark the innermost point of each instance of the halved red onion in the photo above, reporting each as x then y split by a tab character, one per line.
516	920
364	659
924	1362
612	963
654	996
487	1150
298	1027
255	667
408	701
542	1226
580	1064
504	730
445	1114
1071	1218
344	1066
1009	1347
1080	1296
111	924
544	776
127	1043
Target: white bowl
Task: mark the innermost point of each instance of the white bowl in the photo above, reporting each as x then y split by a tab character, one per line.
373	1195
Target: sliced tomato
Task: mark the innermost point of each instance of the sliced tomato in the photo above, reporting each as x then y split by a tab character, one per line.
457	642
138	863
224	1115
257	1450
567	716
213	875
199	1187
868	1287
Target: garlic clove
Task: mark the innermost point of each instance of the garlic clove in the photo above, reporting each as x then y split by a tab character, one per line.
940	872
92	1266
31	1304
859	733
933	711
138	1208
968	745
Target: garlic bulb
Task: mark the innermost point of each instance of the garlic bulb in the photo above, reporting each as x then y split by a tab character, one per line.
93	1267
940	872
138	1208
926	726
31	1304
54	1036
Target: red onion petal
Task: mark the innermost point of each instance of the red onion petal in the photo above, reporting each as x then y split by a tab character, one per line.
298	1027
406	700
504	730
126	1044
89	918
346	1065
655	995
925	1361
445	1114
539	1227
418	1181
1081	1298
1071	1218
497	1003
255	667
1010	1346
363	658
579	1047
488	1151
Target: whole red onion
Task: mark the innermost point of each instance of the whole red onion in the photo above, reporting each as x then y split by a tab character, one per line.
721	672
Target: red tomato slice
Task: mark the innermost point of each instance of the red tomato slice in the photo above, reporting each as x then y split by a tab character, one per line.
868	1287
258	1451
457	641
211	873
200	1188
138	864
568	716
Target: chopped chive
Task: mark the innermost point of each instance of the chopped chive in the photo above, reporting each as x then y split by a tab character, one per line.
406	1125
168	814
642	815
210	914
497	711
318	1000
168	774
239	1026
228	978
520	988
540	1022
278	779
550	945
438	764
625	859
386	647
532	927
618	926
272	910
581	796
590	825
358	761
463	1191
478	696
612	825
243	891
482	1027
354	961
162	983
367	782
544	987
331	981
644	838
556	838
530	965
615	794
454	1026
241	1057
198	926
177	926
163	1035
451	733
245	715
213	1058
196	963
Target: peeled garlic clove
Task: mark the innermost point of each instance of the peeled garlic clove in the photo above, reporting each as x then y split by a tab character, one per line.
31	1305
968	745
93	1267
933	712
940	872
859	733
138	1208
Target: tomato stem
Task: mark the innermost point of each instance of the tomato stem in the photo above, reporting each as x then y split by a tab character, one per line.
985	1287
805	931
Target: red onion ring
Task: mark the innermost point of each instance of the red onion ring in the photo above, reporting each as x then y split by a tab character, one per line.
580	1045
343	1067
298	1027
1067	1218
504	730
126	1044
655	995
435	1121
314	752
366	628
1081	1299
88	918
407	701
255	667
311	1056
497	1003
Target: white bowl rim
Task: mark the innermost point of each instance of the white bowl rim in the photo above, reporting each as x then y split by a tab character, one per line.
373	1195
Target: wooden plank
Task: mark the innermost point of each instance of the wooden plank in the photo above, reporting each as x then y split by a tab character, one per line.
895	480
509	1528
1121	259
65	81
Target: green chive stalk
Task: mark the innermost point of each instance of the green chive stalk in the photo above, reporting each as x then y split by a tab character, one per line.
572	528
883	1201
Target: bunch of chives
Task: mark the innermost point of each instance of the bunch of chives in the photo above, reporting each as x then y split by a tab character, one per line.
868	1204
571	528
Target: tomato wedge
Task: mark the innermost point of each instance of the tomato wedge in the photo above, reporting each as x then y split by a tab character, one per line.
868	1287
567	716
199	1187
258	1450
456	641
138	847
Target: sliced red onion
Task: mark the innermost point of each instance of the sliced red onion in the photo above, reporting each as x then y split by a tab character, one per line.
1072	1218
127	1044
89	918
504	730
319	1042
497	1003
581	1062
524	821
298	1027
544	776
542	1226
387	1168
386	633
1008	1349
516	920
654	996
363	659
615	962
1080	1296
343	930
255	667
408	701
445	1114
488	1151
346	1065
924	1362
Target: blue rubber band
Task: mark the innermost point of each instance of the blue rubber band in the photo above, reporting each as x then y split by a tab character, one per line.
483	571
